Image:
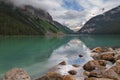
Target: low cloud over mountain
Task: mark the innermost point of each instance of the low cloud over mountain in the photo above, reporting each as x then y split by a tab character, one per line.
73	13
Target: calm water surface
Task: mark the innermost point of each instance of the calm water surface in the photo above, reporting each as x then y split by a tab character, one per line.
38	54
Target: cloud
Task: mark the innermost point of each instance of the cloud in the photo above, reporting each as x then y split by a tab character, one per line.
72	13
43	4
75	19
95	7
70	51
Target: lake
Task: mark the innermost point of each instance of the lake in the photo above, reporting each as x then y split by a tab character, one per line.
38	54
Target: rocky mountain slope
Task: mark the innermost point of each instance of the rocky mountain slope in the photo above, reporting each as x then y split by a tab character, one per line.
26	20
107	23
64	29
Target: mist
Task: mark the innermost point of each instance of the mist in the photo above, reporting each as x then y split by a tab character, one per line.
35	3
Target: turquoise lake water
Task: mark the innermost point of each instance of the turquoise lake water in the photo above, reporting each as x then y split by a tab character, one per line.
38	54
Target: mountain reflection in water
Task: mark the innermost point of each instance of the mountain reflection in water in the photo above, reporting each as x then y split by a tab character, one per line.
70	52
39	54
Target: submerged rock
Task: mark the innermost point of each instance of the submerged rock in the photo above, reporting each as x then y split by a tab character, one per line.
76	65
62	63
16	74
80	55
72	72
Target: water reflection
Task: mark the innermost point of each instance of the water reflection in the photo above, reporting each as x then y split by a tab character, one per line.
38	54
70	52
92	41
30	53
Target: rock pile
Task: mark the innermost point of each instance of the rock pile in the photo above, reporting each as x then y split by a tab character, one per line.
55	76
97	70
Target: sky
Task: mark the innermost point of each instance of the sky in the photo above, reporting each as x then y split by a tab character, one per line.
72	13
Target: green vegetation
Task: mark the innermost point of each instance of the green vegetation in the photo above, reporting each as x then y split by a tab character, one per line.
11	26
16	21
48	26
63	28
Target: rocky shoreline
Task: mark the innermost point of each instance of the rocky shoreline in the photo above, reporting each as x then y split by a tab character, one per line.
105	65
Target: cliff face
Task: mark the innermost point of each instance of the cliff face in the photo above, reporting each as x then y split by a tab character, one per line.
25	20
107	23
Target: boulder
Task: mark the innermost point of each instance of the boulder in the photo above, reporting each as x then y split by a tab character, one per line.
55	76
110	50
116	69
117	63
102	62
98	73
86	73
97	79
72	72
117	50
109	56
97	50
111	74
16	74
117	57
93	64
68	77
51	76
95	56
100	50
89	66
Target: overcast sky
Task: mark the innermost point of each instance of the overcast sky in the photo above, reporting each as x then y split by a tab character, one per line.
72	13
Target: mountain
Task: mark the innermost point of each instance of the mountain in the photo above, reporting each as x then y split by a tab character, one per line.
63	28
26	20
107	23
